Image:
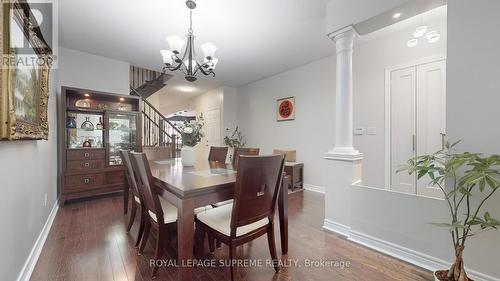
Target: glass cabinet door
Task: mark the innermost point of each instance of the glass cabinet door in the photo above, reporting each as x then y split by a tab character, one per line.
122	130
84	130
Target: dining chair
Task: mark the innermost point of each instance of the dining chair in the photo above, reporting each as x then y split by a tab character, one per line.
158	152
137	203
238	151
218	154
251	215
161	214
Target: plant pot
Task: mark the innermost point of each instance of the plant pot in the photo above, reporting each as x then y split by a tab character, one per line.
188	156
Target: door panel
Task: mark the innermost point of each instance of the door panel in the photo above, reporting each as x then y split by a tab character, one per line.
402	116
212	129
431	114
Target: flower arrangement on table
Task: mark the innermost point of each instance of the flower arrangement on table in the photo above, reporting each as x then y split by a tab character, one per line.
191	131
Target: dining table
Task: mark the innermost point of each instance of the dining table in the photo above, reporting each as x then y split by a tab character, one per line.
203	184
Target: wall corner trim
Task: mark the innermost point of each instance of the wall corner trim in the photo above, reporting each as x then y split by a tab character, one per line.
29	264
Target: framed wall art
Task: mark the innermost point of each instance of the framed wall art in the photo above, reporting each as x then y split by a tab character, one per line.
285	109
24	87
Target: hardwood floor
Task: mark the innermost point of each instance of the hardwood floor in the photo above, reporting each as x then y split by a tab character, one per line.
88	242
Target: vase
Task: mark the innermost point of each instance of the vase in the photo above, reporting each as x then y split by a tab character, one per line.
188	156
70	122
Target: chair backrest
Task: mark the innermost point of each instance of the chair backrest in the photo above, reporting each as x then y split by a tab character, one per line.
218	154
256	191
144	179
129	173
238	151
290	155
158	152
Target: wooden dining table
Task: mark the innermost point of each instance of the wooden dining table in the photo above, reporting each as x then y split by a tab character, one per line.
203	184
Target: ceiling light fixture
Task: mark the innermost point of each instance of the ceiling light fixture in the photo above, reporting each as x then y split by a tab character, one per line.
433	38
396	15
188	63
412	42
187	89
420	31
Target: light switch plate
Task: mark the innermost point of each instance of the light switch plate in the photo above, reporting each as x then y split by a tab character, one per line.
359	131
371	130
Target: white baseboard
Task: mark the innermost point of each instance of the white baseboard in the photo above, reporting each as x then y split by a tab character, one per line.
30	263
336	227
314	188
399	252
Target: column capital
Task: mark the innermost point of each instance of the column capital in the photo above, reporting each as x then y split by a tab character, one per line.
348	31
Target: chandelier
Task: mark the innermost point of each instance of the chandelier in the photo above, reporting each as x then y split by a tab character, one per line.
187	62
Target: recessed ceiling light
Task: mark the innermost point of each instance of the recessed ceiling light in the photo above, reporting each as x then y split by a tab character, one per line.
187	89
434	38
396	15
420	31
122	99
431	34
412	42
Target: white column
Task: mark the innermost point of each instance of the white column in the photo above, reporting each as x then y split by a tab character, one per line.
343	149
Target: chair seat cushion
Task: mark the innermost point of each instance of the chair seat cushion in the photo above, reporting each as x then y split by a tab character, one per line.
219	219
170	211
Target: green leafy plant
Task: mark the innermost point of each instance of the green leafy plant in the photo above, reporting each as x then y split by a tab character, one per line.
191	131
235	140
461	176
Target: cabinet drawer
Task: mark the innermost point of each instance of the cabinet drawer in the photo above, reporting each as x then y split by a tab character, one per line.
87	180
86	154
85	164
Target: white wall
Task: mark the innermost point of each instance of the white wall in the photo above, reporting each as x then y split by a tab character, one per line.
370	61
28	172
87	71
473	99
311	133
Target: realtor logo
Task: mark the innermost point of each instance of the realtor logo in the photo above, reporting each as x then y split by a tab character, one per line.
29	34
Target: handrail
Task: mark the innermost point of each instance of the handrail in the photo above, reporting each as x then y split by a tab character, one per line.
157	125
156	111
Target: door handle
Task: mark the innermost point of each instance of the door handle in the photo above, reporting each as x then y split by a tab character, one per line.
414	142
443	140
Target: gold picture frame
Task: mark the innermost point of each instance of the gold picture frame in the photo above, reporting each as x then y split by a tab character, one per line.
24	92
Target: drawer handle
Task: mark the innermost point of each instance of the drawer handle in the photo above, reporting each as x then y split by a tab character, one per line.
87	155
86	181
87	164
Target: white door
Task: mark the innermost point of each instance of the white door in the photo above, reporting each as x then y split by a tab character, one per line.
417	120
431	115
212	129
402	116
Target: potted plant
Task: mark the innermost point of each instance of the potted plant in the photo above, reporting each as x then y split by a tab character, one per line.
235	140
191	132
467	181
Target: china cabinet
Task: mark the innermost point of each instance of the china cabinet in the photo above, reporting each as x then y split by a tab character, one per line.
94	127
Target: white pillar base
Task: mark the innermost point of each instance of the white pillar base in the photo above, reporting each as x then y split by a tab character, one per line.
344	154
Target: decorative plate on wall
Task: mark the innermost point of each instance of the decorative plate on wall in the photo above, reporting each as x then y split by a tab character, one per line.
285	109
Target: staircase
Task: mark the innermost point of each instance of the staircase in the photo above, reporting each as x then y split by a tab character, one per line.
159	134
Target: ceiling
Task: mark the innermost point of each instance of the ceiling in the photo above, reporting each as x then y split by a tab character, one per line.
255	39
